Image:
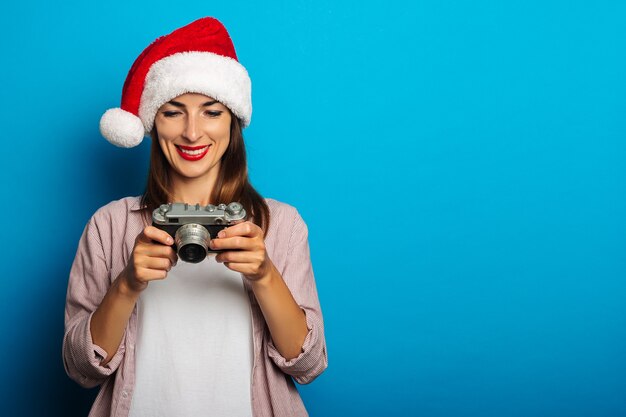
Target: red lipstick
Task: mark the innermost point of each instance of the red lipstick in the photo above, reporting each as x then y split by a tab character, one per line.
180	149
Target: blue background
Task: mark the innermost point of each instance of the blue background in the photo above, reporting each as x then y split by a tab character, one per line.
460	165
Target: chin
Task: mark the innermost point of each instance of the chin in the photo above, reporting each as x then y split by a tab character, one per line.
193	173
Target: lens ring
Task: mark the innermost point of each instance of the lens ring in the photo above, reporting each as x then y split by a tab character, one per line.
195	236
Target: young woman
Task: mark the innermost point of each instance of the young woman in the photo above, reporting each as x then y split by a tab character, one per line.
162	337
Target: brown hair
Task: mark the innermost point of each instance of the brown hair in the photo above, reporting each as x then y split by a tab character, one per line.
232	183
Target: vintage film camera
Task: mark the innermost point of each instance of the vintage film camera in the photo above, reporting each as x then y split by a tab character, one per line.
193	226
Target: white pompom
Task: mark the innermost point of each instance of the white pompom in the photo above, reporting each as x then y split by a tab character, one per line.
121	128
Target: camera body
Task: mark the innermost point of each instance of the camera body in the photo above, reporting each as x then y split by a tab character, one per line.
193	226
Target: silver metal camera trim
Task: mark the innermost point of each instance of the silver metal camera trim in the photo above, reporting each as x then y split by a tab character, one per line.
204	215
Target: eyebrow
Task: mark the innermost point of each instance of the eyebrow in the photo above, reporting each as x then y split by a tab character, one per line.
178	104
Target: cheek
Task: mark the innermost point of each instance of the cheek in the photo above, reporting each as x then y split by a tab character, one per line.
220	133
167	133
167	130
222	146
165	145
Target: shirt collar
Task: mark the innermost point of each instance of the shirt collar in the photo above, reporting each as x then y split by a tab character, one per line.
136	205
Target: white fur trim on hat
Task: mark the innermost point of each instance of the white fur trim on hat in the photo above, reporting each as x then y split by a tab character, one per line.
121	128
216	76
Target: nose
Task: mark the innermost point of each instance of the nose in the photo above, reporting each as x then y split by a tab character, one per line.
192	129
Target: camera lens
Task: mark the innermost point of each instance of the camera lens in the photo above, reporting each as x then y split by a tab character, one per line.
192	240
192	253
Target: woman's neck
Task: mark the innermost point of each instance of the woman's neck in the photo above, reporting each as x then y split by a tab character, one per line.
192	190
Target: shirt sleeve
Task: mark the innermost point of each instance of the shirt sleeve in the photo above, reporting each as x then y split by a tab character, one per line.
89	281
298	275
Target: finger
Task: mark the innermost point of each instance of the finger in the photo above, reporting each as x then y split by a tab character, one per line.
155	250
164	264
236	242
240	257
246	228
244	268
148	274
171	254
238	266
151	233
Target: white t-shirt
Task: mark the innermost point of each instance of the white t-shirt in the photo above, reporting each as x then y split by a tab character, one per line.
194	344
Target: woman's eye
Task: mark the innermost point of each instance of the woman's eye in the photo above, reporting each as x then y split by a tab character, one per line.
170	113
213	113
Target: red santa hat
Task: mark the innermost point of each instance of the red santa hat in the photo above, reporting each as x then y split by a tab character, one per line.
197	58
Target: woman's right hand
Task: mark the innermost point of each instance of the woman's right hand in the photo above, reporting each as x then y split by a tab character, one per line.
151	259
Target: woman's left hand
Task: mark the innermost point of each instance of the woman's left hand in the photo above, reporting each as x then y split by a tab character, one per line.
248	255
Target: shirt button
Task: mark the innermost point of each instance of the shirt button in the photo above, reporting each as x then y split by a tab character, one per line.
124	394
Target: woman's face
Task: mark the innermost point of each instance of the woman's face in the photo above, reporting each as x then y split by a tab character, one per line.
194	132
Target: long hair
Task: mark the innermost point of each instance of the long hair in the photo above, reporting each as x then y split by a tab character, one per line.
232	182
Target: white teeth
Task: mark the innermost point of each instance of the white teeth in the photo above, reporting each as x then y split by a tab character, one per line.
192	153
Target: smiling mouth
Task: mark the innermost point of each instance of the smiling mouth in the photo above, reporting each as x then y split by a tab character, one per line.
192	153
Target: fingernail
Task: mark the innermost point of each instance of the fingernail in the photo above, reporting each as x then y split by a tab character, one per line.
170	240
221	234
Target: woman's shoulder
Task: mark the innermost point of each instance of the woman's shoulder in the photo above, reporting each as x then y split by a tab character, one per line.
285	219
281	211
118	219
125	204
117	208
278	206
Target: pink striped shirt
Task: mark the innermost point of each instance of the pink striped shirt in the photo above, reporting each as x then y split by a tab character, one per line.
103	251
